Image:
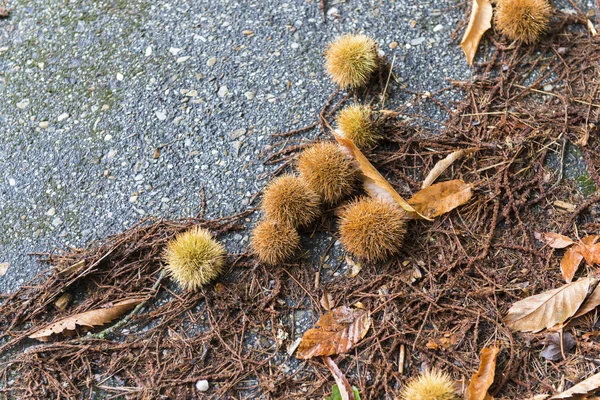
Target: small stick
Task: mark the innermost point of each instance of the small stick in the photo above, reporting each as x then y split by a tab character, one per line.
401	357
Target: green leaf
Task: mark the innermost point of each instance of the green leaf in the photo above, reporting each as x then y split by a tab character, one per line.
336	395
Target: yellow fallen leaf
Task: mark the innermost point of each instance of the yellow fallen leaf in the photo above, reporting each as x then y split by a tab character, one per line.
91	318
484	377
479	22
373	182
547	309
441	197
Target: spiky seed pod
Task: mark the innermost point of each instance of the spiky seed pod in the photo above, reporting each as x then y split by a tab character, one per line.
356	122
351	60
372	229
289	200
523	20
326	170
430	385
194	258
274	242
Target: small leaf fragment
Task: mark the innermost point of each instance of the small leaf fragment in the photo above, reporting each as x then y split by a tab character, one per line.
441	198
336	332
573	256
479	22
443	165
91	318
547	309
484	377
554	240
553	350
588	386
3	268
592	301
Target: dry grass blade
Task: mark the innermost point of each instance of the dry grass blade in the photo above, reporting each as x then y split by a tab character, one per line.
337	332
373	182
91	318
583	388
484	377
441	198
344	387
545	310
479	22
443	165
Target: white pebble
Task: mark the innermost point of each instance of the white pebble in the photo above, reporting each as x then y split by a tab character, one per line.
12	182
119	76
211	61
148	51
183	59
202	385
62	117
223	91
44	124
23	104
161	115
51	212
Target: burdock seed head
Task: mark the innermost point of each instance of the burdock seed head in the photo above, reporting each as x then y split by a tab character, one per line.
326	170
523	20
274	242
194	258
350	60
372	229
356	123
430	385
289	200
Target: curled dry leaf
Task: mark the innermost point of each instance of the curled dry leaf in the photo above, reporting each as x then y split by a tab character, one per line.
479	22
373	182
554	240
553	350
91	318
573	256
484	377
592	301
346	392
443	165
441	198
545	310
336	332
588	386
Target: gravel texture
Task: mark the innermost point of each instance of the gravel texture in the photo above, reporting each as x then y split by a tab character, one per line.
115	110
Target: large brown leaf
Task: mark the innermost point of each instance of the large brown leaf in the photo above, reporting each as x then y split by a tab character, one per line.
441	197
373	182
480	21
588	386
545	310
336	332
91	318
484	377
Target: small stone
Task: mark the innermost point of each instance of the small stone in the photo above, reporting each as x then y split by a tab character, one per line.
237	133
223	91
333	12
56	222
438	27
294	45
183	59
148	51
174	51
23	104
160	115
202	385
51	212
393	45
249	95
119	76
44	124
248	32
192	93
41	65
177	120
62	117
548	88
211	61
108	138
417	41
12	182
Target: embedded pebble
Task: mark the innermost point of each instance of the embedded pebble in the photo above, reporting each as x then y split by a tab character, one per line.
211	61
23	104
202	385
160	115
56	221
223	91
148	51
249	95
44	124
119	76
51	212
438	27
417	41
183	59
62	117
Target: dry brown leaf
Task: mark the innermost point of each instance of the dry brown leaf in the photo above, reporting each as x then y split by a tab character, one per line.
327	301
91	318
443	165
484	377
336	332
442	197
592	301
565	206
585	387
343	385
547	309
573	256
554	240
373	182
4	13
479	22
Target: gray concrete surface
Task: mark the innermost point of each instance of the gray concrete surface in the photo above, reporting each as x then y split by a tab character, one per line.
89	89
